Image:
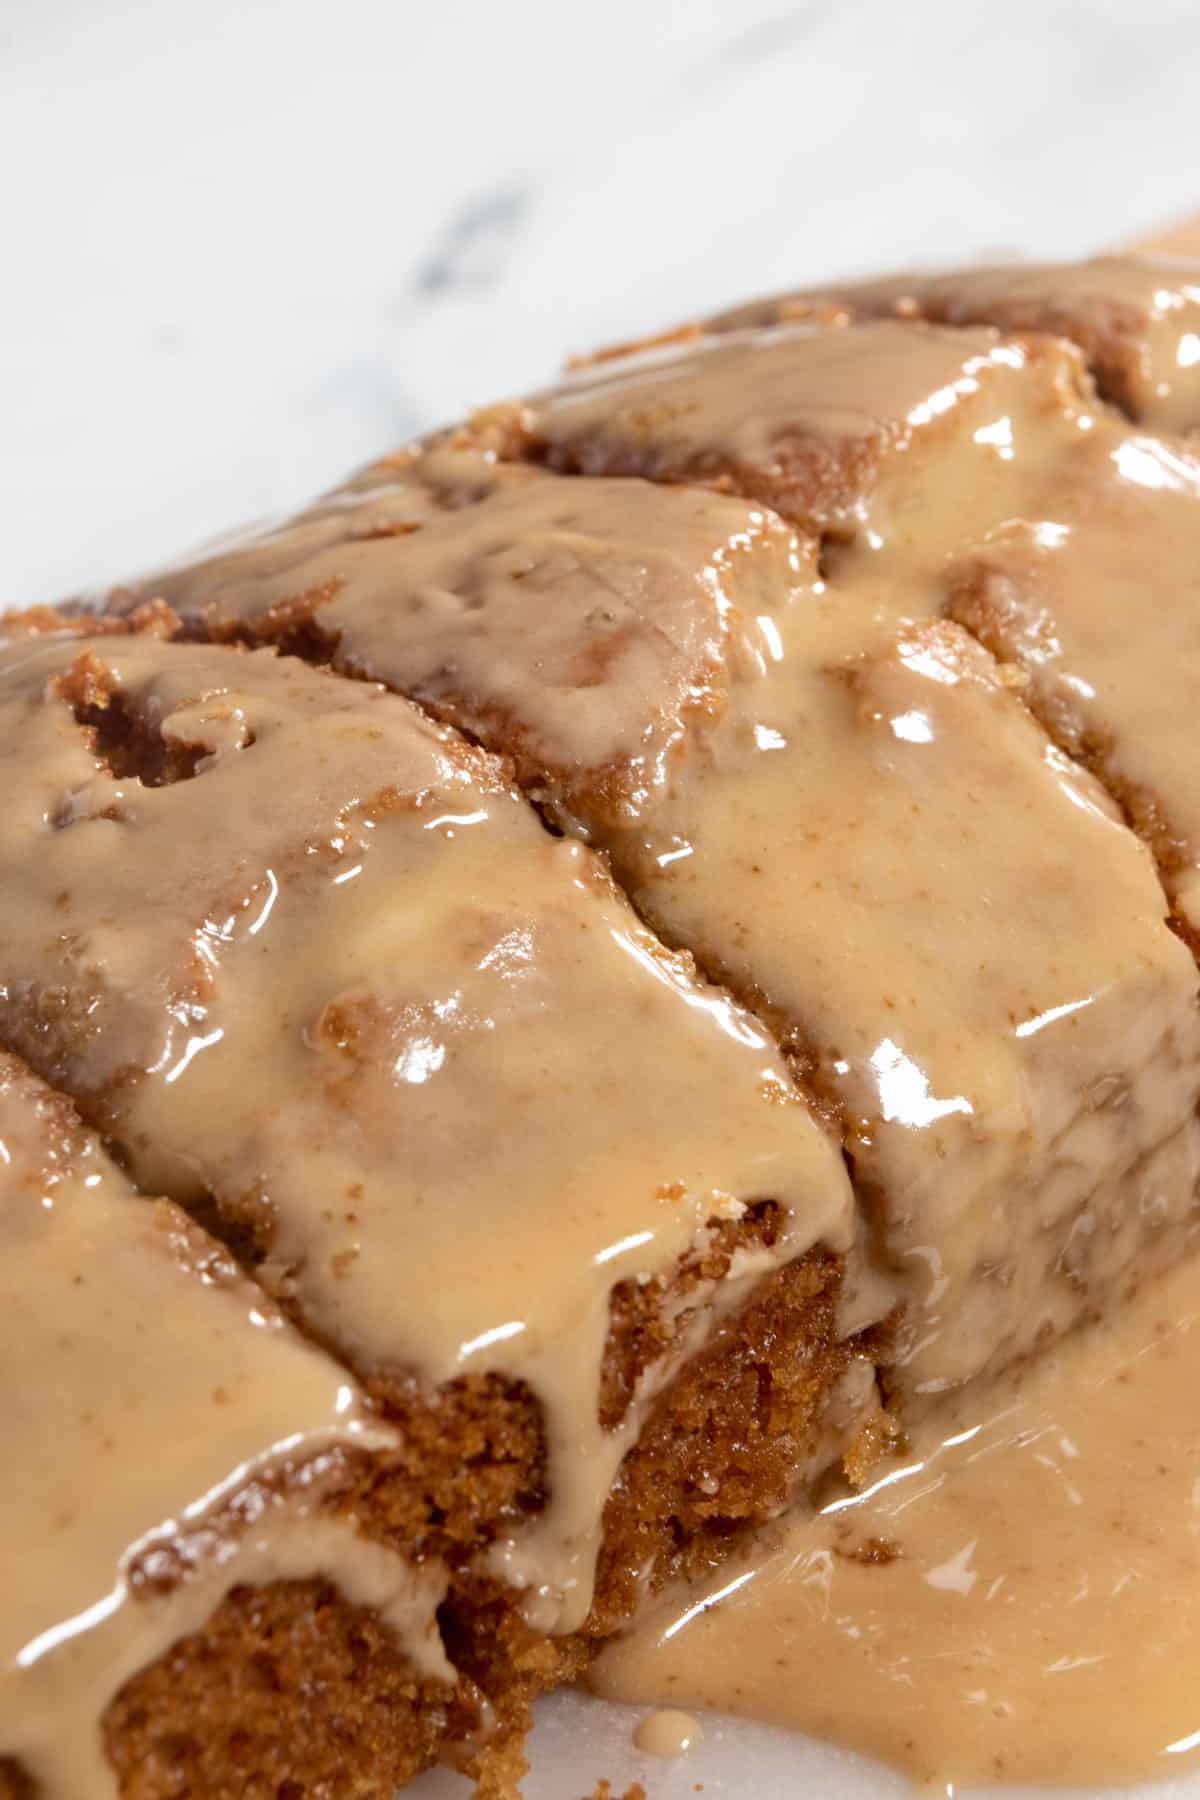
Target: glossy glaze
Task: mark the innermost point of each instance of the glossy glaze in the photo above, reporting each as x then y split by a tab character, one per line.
668	1733
342	980
861	829
1094	594
149	1471
1137	317
858	695
1013	1600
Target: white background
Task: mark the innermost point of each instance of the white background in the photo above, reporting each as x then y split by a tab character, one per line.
245	243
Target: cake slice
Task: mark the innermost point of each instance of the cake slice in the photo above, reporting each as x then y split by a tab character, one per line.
1094	595
321	975
1136	319
801	417
187	1512
631	602
1086	584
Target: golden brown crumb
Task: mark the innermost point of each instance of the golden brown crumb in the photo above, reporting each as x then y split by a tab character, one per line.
239	1696
874	1552
152	618
688	333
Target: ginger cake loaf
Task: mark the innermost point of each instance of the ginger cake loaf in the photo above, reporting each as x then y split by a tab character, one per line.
656	926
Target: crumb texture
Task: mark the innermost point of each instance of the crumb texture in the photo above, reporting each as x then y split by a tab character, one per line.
287	1694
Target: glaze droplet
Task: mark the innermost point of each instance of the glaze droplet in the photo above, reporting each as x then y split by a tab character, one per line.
668	1733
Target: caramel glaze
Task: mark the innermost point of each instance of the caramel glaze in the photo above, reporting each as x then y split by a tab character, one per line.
837	798
1012	1600
152	1471
1136	318
320	972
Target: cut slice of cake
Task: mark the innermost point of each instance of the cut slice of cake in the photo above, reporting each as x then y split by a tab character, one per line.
319	972
190	1535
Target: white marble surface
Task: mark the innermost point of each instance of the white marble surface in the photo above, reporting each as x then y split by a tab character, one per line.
249	242
578	1741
